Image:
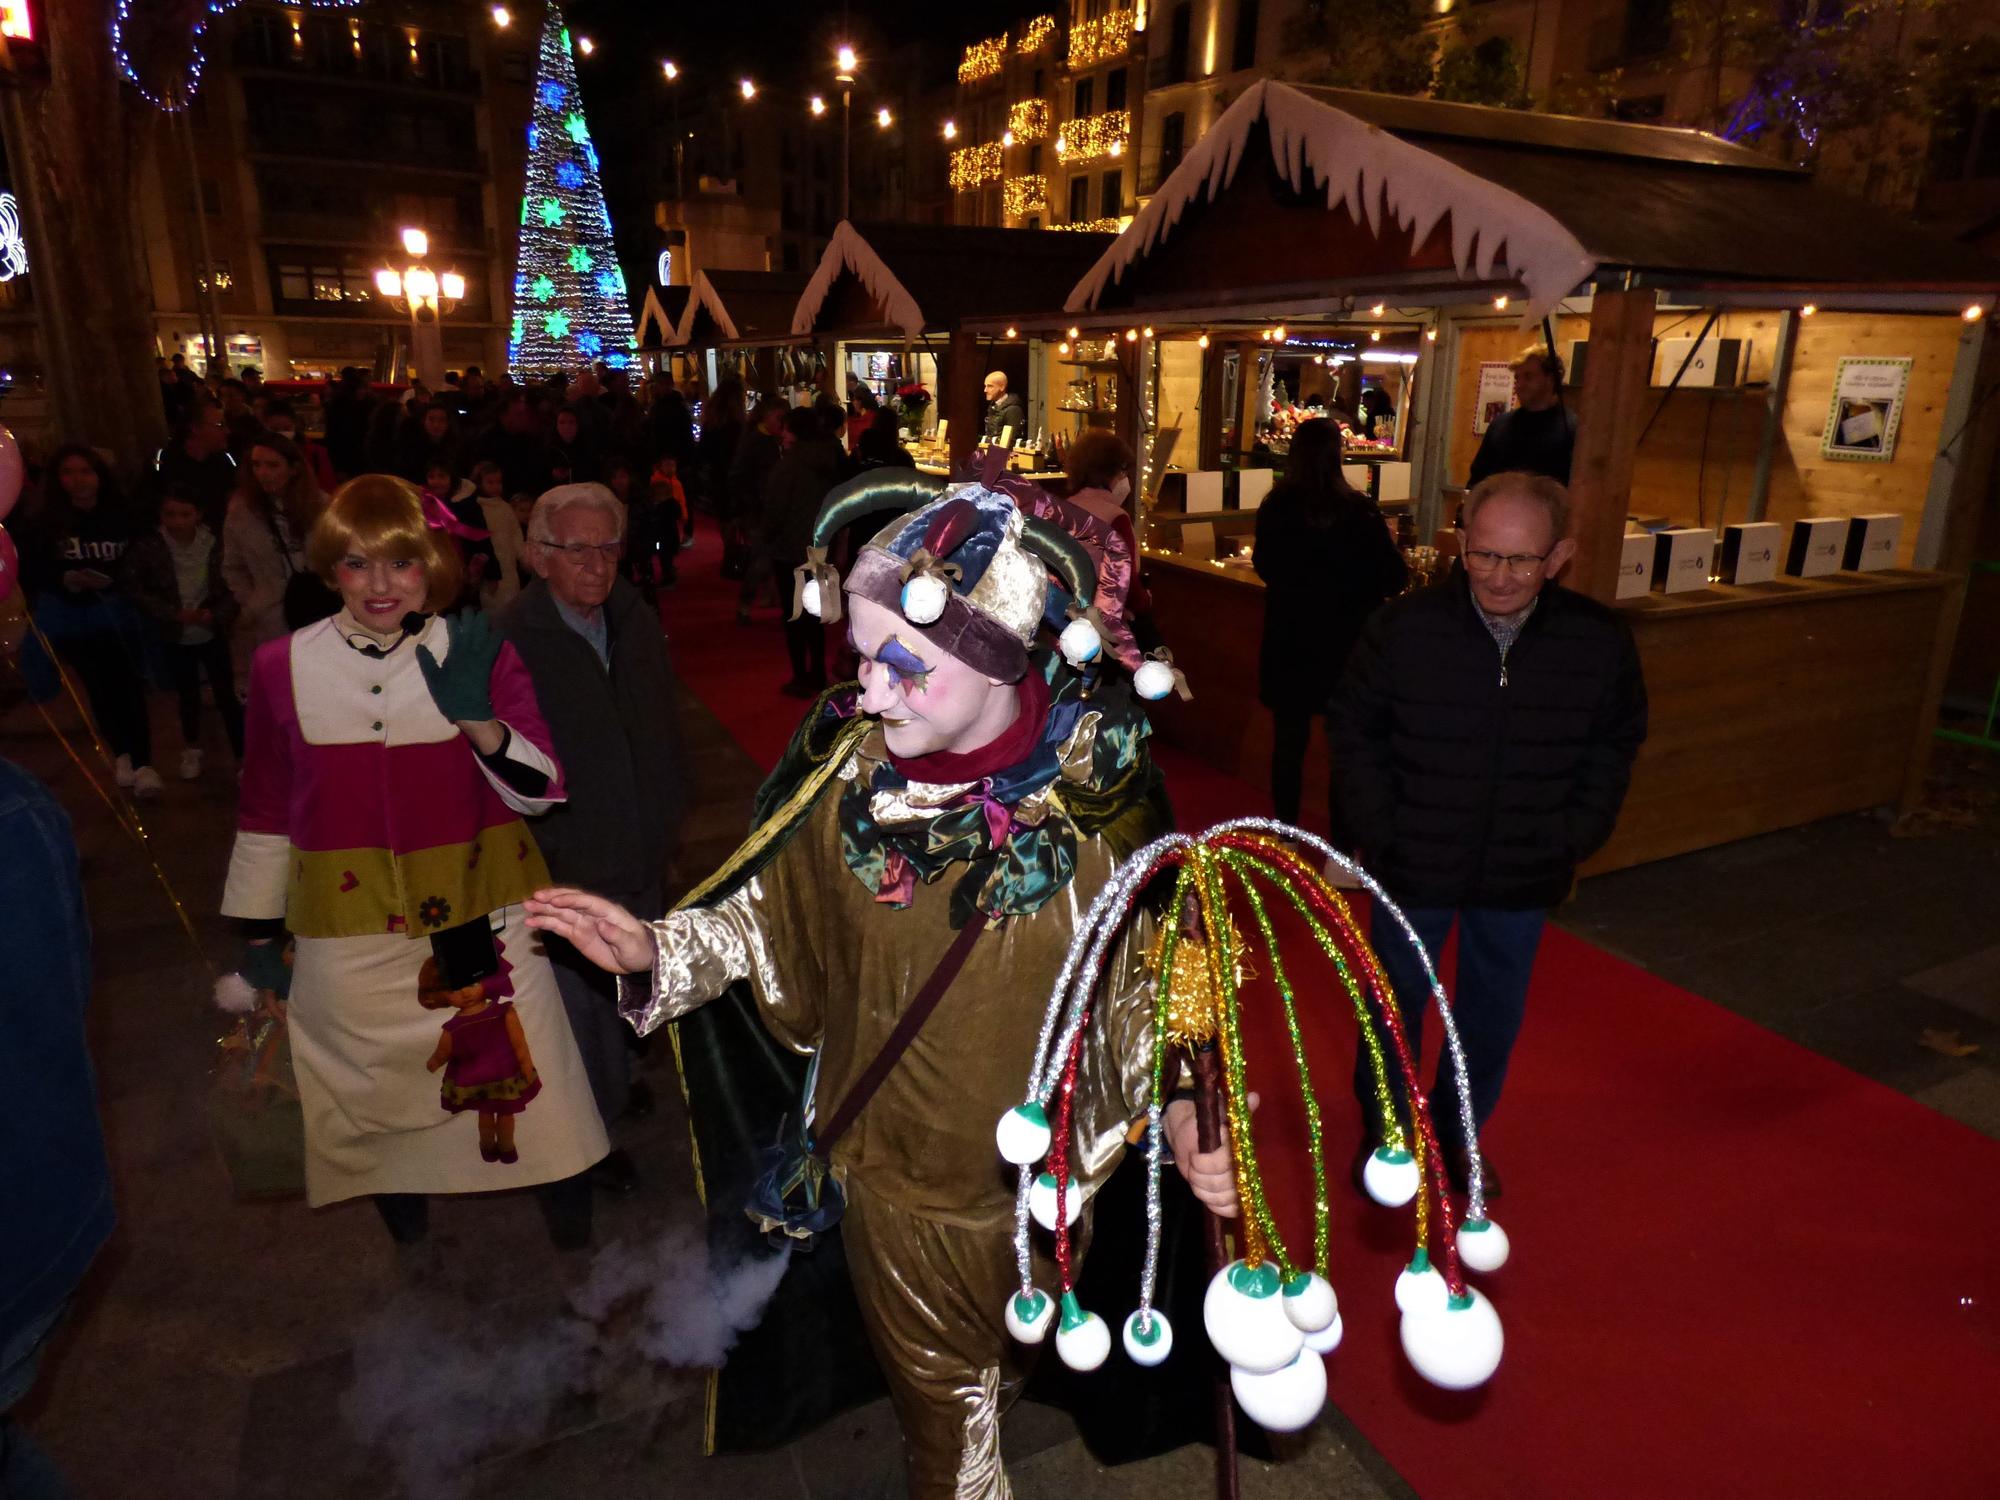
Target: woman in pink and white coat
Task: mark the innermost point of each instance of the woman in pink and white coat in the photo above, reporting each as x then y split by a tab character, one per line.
391	760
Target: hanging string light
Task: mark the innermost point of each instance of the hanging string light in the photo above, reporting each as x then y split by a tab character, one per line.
181	94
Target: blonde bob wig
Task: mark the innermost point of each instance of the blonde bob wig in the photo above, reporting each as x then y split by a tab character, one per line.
381	516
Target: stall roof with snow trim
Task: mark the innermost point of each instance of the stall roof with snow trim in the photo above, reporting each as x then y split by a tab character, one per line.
912	279
659	316
1298	194
740	307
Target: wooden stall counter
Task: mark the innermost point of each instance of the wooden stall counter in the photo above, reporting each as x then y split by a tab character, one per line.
1779	703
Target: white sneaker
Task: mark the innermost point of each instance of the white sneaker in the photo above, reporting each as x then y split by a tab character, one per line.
145	782
121	772
190	763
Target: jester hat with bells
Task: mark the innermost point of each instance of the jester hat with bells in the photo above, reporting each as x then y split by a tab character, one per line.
969	568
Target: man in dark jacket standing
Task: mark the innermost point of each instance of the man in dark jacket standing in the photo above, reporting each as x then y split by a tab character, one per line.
54	1178
1005	411
1539	435
1485	732
810	465
606	689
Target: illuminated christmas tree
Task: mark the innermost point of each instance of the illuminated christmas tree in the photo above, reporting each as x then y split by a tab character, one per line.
570	304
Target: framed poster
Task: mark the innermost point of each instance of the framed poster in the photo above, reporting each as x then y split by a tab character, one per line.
1496	394
1867	409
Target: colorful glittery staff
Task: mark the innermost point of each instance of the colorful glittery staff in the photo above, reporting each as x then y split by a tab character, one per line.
1265	1318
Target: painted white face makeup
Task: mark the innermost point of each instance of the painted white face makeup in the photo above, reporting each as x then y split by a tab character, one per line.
927	701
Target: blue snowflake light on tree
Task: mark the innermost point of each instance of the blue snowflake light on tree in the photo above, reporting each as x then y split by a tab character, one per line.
570	298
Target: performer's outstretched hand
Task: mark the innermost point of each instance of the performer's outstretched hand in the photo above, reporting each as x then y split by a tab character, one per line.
1209	1173
602	931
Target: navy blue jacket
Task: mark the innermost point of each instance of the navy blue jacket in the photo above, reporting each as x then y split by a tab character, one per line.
1467	783
54	1180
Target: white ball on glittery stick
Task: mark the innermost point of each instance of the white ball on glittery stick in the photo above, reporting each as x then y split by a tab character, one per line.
1419	1285
1455	1344
1245	1318
924	598
1327	1339
1154	680
1391	1176
1028	1315
1286	1399
1482	1245
1042	1201
809	598
1149	1337
1023	1134
1309	1302
1083	1340
1080	642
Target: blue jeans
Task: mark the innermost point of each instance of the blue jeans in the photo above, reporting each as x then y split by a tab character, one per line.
1496	956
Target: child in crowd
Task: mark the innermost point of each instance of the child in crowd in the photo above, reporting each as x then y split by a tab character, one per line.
175	574
652	532
507	529
451	505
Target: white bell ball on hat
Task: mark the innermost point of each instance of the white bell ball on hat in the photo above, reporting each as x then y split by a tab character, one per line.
809	598
1042	1201
1083	1340
1286	1399
1482	1245
1309	1302
1391	1176
924	598
1419	1285
1080	642
1023	1134
1455	1344
1154	680
1245	1318
1327	1339
1149	1337
1028	1315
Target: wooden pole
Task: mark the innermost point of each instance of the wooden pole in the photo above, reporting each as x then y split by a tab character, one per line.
1607	436
962	380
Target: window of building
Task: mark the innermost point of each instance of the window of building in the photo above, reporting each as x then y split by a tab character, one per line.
1040	79
1079	200
1034	221
294	284
1114	89
1649	27
1085	96
1034	159
515	68
1112	203
1180	43
1173	141
1244	53
1642	109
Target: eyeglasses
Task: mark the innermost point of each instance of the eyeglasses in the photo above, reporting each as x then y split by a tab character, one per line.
1514	562
582	552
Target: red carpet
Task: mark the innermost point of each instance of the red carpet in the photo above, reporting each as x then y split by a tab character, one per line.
1739	1269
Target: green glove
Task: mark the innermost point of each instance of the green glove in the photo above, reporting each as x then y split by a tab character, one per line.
264	967
461	685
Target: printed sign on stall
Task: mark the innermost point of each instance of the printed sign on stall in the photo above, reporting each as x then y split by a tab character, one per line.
1867	410
1496	394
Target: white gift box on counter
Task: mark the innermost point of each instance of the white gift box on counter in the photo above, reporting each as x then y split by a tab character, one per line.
1681	556
1872	541
1817	545
1750	551
1635	565
1252	485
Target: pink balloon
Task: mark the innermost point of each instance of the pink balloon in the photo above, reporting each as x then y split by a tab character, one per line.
10	566
11	472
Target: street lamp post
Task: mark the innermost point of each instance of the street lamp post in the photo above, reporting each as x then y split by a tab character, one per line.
673	74
844	76
427	296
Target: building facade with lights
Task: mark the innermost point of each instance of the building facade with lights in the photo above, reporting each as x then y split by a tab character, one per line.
1046	117
318	136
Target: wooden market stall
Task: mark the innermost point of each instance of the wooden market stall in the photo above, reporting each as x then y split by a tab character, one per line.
659	328
948	292
1835	357
740	323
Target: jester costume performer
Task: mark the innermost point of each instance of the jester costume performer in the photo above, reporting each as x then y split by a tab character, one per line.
875	876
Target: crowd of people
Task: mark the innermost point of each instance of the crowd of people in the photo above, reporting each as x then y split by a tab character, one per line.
433	645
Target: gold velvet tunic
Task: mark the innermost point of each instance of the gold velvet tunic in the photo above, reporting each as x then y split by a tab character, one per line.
930	1203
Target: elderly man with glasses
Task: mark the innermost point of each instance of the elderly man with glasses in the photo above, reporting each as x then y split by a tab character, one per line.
1485	731
606	688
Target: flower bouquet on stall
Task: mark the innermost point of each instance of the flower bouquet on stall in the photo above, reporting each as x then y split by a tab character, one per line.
912	401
